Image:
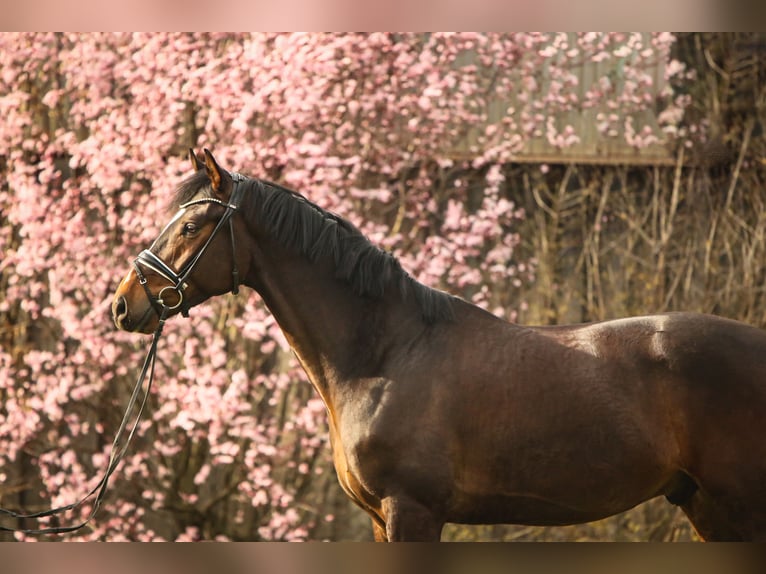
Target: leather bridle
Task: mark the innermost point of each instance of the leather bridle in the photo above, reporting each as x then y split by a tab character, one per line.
178	281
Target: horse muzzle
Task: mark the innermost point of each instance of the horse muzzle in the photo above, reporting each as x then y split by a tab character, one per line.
133	320
131	311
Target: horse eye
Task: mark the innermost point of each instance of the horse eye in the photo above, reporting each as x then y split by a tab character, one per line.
189	229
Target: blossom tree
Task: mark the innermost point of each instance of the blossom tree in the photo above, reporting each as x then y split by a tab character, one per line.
408	136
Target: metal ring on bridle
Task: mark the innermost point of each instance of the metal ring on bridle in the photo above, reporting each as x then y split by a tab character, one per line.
178	292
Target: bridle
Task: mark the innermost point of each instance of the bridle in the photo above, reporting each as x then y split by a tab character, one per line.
178	281
148	260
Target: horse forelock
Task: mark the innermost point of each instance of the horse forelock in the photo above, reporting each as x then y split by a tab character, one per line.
190	188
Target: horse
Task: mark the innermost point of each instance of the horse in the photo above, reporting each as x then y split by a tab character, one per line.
440	412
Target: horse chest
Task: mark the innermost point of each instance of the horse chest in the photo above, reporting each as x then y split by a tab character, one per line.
349	476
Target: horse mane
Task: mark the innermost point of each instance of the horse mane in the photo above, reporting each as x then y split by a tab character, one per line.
300	225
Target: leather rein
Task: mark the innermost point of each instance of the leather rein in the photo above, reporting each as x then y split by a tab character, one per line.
178	281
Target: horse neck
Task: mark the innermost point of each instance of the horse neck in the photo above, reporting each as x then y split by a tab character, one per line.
337	335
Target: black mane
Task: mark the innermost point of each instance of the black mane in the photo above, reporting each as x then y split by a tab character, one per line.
300	225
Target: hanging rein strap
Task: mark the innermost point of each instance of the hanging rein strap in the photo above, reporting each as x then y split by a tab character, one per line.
178	284
118	450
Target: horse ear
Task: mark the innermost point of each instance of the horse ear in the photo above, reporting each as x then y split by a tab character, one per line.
197	164
214	172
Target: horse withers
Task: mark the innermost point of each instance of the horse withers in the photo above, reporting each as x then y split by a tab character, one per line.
441	412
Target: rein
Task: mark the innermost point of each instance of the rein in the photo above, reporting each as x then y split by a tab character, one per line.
115	456
178	281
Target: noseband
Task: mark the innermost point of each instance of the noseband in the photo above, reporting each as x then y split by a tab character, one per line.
178	281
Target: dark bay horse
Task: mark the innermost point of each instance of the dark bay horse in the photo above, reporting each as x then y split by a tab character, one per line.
441	412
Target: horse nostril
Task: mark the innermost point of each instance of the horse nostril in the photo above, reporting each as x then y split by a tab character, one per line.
119	311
